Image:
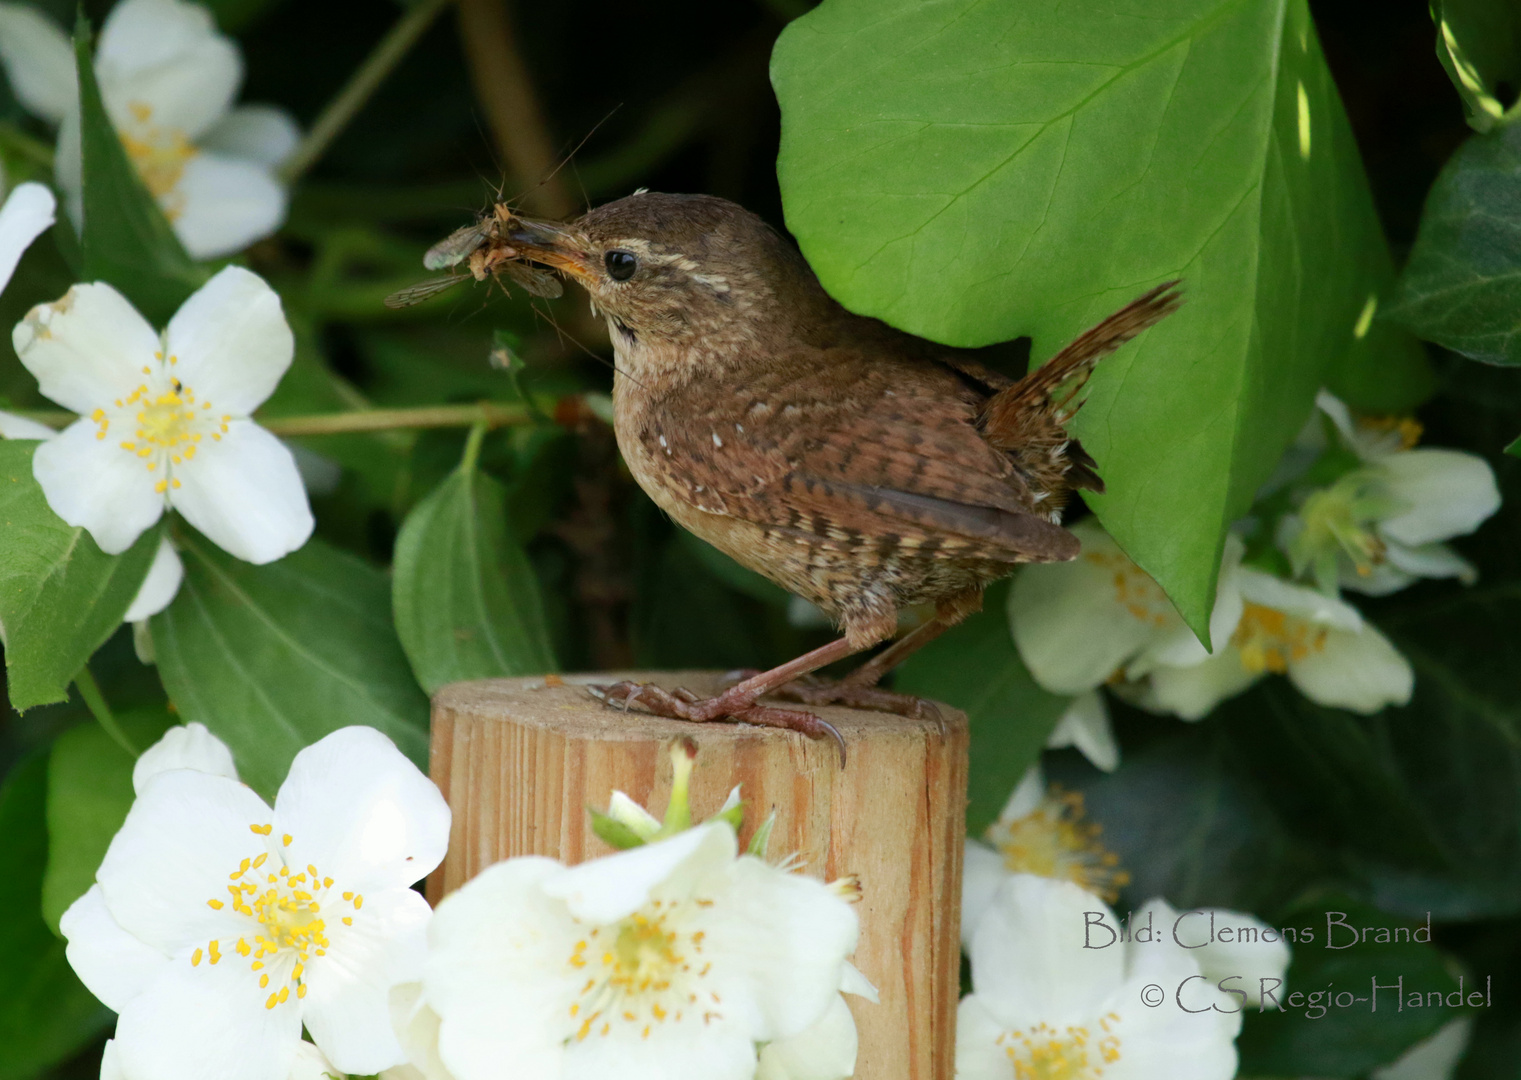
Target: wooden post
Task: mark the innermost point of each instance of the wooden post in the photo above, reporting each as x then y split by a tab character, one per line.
520	762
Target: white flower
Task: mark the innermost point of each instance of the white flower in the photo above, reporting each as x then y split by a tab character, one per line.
309	1064
671	960
27	213
1085	725
1323	645
1039	832
218	926
165	418
1226	945
827	1049
1434	1058
1043	1005
1380	525
1078	623
168	80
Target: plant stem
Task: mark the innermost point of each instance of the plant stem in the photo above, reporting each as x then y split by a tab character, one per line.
506	93
473	447
95	701
361	85
486	413
492	414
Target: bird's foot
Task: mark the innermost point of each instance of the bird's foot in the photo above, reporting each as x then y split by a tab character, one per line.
817	690
736	703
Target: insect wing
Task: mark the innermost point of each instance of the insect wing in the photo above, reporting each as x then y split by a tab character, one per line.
536	281
423	290
456	247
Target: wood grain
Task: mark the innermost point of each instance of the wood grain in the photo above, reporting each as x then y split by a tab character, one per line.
520	762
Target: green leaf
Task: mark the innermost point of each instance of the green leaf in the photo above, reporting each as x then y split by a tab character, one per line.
272	658
46	1014
976	668
1462	286
89	794
466	600
1479	45
60	595
1350	1039
973	172
739	578
614	833
126	238
1190	826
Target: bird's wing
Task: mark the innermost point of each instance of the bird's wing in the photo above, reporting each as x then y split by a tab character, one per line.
857	448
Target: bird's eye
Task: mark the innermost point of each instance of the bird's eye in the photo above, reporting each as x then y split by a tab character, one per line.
620	265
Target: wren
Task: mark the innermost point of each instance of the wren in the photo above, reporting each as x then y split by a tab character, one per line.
859	467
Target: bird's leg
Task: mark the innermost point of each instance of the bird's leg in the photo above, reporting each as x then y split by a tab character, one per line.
859	689
738	702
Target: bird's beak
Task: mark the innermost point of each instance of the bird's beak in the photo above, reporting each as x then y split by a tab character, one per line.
555	245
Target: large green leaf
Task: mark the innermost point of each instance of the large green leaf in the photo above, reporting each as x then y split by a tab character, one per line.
466	600
1349	1038
89	794
976	668
60	595
46	1014
1479	44
972	172
127	240
272	658
1462	286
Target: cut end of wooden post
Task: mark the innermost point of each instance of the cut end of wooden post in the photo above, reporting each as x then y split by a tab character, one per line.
521	760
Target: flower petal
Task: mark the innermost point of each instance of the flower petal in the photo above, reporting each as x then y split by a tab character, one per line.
166	57
310	1064
27	212
1086	726
19	427
685	1050
185	833
348	997
207	1020
824	1051
222	204
1076	622
231	342
95	485
184	746
1247	955
261	134
1026	796
113	965
245	494
1311	605
979	1053
1431	560
110	1064
982	873
355	806
39	62
1027	952
87	348
1358	671
1191	692
68	167
783	935
159	587
416	1027
608	889
1449	494
497	949
1180	647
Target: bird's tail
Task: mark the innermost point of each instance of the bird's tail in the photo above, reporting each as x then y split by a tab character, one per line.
1052	388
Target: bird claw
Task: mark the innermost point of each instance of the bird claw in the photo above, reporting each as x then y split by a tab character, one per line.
814	690
683	704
